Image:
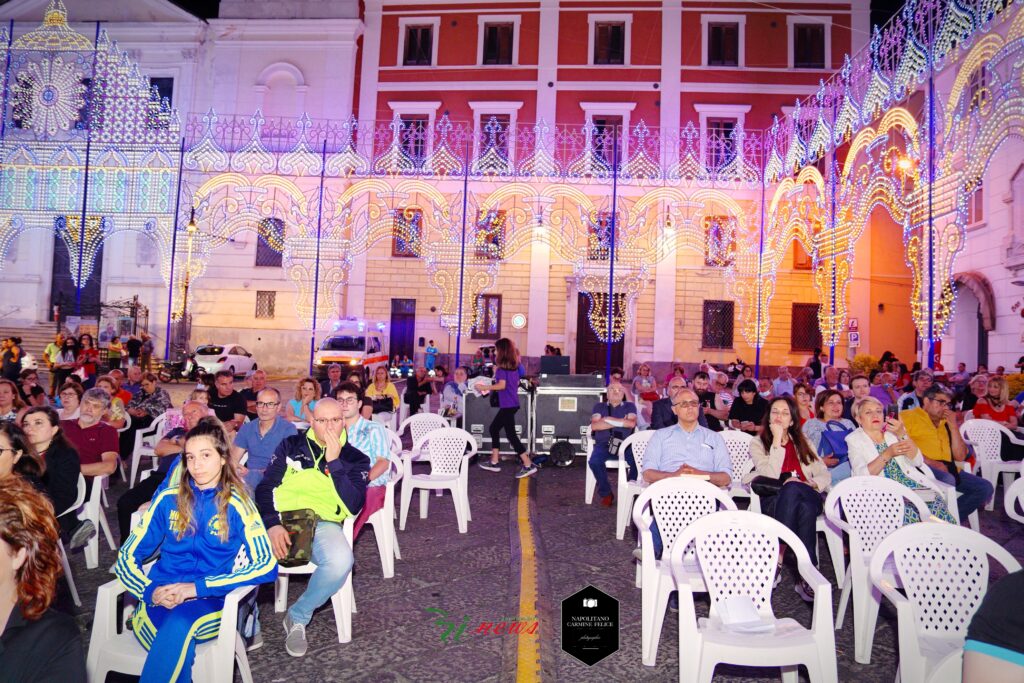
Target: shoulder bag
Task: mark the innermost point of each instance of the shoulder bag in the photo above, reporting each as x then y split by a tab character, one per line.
301	528
833	441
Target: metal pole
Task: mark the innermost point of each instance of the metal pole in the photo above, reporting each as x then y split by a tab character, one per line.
174	248
316	275
760	267
85	178
832	177
930	360
611	251
462	254
7	75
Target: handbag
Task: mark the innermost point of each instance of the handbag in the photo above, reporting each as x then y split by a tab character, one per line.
614	443
765	487
384	404
833	442
301	528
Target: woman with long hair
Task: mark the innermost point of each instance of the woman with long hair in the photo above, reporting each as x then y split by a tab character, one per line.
380	391
38	643
88	359
199	528
66	358
17	458
300	408
781	453
508	371
10	401
61	471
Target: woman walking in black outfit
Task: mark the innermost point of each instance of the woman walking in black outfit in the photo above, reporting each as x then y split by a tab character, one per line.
508	372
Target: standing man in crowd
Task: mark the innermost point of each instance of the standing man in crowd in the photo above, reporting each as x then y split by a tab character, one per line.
50	355
146	353
431	355
322	450
134	347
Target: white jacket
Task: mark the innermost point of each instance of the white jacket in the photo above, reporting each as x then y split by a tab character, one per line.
863	451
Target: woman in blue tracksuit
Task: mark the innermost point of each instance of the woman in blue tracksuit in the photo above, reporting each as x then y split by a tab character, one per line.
199	527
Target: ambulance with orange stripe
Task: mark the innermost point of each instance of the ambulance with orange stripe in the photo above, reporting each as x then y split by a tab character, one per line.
353	344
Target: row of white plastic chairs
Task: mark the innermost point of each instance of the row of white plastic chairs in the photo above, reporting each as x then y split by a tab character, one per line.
711	547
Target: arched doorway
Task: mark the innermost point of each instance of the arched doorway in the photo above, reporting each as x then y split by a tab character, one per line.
967	338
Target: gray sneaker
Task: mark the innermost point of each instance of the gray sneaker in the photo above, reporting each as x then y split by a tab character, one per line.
486	464
295	638
257	643
526	471
81	536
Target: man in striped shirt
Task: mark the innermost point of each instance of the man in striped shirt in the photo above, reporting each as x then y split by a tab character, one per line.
371	438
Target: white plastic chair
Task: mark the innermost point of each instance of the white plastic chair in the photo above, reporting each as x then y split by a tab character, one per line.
1013	496
873	509
146	440
94	512
591	481
738	445
120	462
737	551
944	570
79	502
421	424
986	436
629	490
448	450
343	602
383	523
926	477
675	503
110	650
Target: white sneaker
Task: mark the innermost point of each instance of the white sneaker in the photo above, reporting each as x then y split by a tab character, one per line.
257	643
295	638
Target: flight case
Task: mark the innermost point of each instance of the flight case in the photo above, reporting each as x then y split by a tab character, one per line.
477	416
562	408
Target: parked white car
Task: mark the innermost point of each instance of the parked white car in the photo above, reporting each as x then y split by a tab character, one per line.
213	358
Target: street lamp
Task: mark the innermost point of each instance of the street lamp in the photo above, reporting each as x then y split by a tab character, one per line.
191	229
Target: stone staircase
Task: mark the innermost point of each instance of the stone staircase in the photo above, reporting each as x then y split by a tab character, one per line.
34	337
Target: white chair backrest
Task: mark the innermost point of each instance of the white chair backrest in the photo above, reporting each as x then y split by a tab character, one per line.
446	449
79	498
678	501
422	424
127	422
157	426
738	551
1014	496
873	506
944	570
638	442
986	436
395	443
738	445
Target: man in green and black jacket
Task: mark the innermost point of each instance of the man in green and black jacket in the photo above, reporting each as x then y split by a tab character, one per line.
320	471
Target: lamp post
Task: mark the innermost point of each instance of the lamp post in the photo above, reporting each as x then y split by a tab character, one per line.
191	229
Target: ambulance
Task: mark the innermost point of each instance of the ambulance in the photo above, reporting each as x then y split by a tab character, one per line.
354	344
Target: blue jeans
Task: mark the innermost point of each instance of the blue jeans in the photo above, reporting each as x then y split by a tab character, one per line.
598	465
974	491
333	559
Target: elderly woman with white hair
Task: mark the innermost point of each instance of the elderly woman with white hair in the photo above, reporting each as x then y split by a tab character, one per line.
881	447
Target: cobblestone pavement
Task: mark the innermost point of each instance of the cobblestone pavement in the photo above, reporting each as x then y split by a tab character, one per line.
475	577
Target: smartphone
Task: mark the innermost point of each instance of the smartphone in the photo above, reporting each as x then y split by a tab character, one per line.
892	410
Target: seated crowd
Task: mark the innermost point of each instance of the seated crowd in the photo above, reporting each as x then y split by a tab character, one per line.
240	465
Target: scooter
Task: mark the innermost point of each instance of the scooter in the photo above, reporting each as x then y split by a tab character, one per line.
186	369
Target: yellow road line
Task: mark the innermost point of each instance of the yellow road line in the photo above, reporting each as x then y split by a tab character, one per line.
527	646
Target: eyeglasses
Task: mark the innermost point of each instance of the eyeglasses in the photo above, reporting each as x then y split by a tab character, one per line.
4	450
267	404
328	420
350	401
942	402
686	404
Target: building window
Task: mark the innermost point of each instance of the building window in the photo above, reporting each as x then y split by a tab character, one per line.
406	231
721	148
723	44
718	323
805	333
607	131
164	87
494	133
719	240
599	237
489	241
801	259
976	205
977	89
488	322
415	131
419	46
498	40
145	250
265	302
609	42
809	46
269	243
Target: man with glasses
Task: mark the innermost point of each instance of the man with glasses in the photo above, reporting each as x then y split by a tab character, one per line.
923	379
661	411
321	471
685	448
95	441
260	437
932	427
